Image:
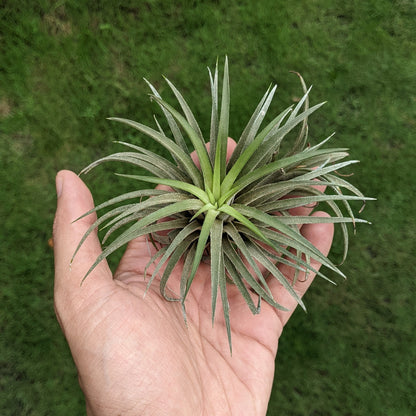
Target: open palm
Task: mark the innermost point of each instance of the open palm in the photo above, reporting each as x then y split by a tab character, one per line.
133	351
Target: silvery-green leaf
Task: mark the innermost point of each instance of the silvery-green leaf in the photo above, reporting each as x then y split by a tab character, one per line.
136	229
176	132
183	235
186	110
171	170
265	261
216	253
214	113
253	125
183	158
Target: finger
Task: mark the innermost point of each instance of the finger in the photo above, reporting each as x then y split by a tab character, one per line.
231	144
74	199
320	235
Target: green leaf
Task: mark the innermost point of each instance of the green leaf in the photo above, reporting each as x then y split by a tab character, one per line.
343	183
205	208
199	146
177	254
187	266
151	261
214	113
139	210
224	119
184	235
222	139
261	194
273	139
183	158
130	195
294	240
265	261
304	99
147	162
238	281
187	111
136	229
233	212
235	236
202	241
167	225
272	167
246	155
177	135
114	212
268	144
253	125
321	171
187	187
290	203
225	304
241	268
217	270
303	134
279	244
172	171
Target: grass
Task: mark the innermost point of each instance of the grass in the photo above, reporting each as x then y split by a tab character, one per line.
68	65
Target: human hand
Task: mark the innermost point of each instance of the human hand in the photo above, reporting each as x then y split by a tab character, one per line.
133	352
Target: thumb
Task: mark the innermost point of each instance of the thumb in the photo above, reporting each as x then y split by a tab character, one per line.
74	199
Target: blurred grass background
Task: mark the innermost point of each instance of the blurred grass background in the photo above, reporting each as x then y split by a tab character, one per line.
67	65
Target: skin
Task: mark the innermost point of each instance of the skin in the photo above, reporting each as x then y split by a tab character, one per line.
133	352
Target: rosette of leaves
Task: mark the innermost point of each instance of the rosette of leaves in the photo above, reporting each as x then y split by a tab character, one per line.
233	212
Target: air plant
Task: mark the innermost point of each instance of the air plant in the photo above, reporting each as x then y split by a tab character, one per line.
234	212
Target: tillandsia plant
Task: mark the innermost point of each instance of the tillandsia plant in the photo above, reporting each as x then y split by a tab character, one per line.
234	212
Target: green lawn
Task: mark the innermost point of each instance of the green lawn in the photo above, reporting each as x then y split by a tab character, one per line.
67	65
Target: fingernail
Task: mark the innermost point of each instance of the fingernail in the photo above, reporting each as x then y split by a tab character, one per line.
59	184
